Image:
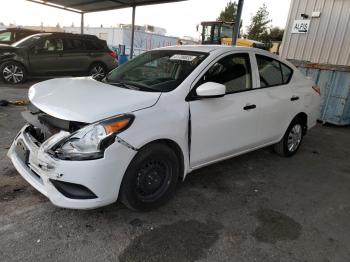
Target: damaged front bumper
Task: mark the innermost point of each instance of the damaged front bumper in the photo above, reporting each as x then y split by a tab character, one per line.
70	184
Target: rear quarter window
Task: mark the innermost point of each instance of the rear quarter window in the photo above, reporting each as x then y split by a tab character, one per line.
287	73
94	45
273	72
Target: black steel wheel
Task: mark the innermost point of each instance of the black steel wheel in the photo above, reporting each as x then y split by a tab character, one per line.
151	178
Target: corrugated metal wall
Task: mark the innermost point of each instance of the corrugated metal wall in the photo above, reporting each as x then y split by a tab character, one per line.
335	94
328	39
146	41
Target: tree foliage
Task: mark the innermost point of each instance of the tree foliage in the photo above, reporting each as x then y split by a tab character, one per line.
259	28
229	13
276	34
260	25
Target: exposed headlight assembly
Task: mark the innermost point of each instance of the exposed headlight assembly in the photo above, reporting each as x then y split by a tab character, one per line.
91	141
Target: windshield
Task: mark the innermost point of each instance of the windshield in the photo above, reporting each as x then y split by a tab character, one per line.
226	31
157	71
5	36
28	41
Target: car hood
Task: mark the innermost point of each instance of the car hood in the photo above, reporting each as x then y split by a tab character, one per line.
5	47
86	100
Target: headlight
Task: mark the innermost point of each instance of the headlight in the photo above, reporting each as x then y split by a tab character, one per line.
91	141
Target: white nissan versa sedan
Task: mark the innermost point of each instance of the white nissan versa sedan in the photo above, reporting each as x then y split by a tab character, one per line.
155	119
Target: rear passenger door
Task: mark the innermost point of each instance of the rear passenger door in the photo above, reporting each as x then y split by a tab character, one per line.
276	106
75	58
95	49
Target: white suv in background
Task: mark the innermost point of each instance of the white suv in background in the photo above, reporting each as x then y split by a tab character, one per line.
155	119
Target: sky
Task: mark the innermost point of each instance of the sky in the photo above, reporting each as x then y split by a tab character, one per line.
179	19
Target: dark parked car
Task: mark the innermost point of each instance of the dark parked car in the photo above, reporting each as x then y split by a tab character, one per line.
12	35
55	54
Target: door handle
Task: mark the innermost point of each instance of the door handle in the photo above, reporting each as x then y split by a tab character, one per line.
294	98
249	107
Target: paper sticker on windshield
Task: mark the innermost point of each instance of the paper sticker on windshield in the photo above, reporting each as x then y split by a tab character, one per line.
188	58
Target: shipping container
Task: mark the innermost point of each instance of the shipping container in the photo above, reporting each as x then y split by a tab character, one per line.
317	40
335	91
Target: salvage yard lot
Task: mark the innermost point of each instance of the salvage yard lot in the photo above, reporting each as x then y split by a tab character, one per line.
256	207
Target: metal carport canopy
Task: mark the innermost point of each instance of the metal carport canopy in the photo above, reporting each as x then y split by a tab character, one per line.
89	6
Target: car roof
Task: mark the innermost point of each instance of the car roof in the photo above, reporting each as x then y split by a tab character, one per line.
221	49
11	29
209	48
61	34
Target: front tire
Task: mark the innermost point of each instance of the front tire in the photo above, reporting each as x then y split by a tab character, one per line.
151	178
13	72
292	139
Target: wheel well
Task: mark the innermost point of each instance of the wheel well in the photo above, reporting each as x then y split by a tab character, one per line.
15	61
97	62
303	117
176	148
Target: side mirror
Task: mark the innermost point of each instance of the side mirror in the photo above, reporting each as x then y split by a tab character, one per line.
211	90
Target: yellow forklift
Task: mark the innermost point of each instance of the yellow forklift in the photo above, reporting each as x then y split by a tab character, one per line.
220	33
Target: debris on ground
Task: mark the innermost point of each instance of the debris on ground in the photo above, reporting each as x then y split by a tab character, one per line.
19	103
15	103
4	103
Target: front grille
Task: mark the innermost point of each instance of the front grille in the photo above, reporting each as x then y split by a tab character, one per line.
42	133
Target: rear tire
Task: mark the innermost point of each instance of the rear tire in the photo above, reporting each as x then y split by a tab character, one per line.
151	178
12	72
98	71
292	139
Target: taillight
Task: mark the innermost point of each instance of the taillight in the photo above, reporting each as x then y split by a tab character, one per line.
317	89
113	54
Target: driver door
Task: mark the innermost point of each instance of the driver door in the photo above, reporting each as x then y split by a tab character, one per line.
44	56
225	126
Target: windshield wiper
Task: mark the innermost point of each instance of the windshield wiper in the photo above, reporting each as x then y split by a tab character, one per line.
124	85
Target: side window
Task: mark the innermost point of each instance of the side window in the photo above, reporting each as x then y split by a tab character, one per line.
216	33
287	73
71	44
78	44
93	45
68	44
272	72
51	45
207	33
233	71
5	36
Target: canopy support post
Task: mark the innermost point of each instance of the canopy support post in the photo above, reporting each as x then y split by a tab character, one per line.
82	23
132	32
237	26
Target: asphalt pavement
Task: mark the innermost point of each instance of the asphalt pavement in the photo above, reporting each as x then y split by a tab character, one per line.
255	207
